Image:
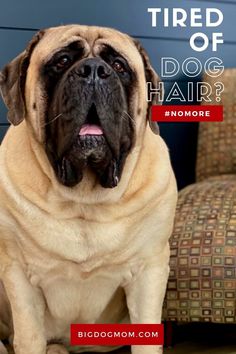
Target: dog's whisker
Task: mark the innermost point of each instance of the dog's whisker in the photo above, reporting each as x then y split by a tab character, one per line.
127	115
52	120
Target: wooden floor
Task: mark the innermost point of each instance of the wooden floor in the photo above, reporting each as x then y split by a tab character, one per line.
198	339
120	351
187	348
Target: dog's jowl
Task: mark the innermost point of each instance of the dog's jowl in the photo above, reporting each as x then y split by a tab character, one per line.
87	192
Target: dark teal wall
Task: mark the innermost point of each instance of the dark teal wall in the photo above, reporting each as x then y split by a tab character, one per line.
19	20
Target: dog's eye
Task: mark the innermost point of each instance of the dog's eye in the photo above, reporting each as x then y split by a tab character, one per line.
63	62
118	66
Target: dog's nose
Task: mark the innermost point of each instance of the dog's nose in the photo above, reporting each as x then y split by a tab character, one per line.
94	69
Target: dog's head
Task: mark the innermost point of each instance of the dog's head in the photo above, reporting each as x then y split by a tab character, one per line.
83	91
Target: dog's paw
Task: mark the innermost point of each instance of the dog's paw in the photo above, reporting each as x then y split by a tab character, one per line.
55	349
3	349
150	349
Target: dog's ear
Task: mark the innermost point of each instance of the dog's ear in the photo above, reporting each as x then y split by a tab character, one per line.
12	82
11	85
153	78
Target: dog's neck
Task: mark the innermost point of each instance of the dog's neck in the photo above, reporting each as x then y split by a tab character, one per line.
36	180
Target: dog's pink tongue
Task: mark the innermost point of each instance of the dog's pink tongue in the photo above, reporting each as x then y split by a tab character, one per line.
90	129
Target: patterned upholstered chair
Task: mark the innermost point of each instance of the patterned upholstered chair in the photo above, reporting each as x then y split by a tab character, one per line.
202	281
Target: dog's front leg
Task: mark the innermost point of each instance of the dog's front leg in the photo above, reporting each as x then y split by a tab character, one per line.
145	294
27	311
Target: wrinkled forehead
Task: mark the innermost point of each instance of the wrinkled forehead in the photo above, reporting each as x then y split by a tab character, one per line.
92	37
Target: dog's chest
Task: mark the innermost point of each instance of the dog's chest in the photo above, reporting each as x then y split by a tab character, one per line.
82	272
89	243
78	297
75	297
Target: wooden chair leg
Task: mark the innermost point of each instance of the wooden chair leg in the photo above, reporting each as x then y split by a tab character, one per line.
168	325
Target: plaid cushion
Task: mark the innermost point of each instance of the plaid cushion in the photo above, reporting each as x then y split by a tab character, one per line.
217	141
202	282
